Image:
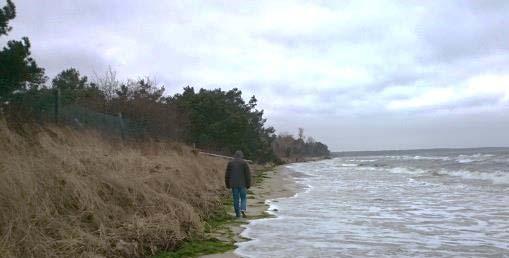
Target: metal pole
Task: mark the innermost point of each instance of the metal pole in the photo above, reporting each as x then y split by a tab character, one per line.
121	121
57	104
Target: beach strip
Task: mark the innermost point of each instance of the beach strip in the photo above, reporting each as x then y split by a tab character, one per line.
269	185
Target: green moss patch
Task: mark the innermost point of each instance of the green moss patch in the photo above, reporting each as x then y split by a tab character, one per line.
197	248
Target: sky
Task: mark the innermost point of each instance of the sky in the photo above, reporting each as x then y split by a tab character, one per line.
356	75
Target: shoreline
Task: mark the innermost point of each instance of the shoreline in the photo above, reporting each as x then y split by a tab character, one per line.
273	184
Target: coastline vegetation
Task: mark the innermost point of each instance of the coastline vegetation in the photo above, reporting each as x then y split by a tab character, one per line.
199	247
215	120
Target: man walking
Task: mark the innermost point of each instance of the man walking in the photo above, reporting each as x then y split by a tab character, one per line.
238	178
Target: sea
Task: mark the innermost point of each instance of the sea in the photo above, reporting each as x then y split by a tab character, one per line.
419	203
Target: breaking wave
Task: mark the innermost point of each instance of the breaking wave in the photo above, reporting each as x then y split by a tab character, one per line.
497	177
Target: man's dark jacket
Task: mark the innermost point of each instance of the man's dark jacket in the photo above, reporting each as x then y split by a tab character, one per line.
237	174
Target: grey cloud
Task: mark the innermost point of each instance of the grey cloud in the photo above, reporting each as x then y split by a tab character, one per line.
468	103
454	31
323	40
88	62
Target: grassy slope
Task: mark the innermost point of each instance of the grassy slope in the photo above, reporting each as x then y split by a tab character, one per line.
73	194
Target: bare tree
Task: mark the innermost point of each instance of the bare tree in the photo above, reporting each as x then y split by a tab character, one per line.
301	133
108	83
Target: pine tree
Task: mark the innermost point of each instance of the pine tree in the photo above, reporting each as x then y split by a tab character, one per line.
18	70
7	13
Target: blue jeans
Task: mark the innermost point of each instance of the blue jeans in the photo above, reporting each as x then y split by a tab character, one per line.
239	199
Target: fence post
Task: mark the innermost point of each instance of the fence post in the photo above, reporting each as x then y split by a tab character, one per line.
57	104
122	127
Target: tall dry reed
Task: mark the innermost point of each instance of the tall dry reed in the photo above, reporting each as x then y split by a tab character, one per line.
65	193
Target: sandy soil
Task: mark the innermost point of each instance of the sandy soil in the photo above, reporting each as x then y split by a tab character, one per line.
278	183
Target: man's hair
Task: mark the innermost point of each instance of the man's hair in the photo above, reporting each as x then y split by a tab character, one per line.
238	155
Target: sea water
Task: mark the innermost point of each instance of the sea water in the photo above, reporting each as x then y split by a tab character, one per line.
441	203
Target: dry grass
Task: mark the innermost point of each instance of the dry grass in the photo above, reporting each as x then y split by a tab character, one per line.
73	194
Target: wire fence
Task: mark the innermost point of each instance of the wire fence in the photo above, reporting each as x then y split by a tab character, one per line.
51	107
80	117
113	125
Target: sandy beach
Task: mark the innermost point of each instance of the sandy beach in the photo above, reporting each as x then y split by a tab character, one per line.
277	183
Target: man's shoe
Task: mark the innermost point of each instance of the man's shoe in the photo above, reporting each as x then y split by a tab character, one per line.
243	214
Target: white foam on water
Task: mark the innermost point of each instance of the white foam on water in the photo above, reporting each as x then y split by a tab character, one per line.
483	155
497	177
473	158
465	160
272	207
362	160
417	157
431	158
355	212
402	170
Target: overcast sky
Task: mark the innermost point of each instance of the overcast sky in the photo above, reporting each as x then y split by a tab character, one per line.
357	75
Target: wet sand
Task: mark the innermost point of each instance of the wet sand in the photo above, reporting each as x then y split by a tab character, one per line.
278	183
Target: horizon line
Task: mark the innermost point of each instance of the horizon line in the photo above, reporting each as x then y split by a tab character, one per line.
423	149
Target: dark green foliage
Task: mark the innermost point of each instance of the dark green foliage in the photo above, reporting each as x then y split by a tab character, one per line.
222	121
7	13
31	105
72	88
288	147
69	79
142	102
316	149
20	76
18	71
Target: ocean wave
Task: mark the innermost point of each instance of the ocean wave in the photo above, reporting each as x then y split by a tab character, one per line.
349	165
496	177
462	158
417	157
362	160
479	155
465	160
472	158
432	158
402	170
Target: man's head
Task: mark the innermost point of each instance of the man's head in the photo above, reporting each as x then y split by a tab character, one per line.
238	155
